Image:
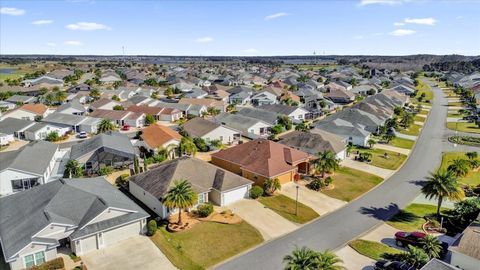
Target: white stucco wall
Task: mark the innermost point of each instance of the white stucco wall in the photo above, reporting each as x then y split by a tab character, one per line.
465	262
151	202
224	132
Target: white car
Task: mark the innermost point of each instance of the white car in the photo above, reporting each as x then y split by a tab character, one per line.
82	135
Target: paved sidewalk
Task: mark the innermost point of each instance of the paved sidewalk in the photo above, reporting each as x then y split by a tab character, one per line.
392	148
318	201
266	221
405	136
456	107
455	119
353	260
15	145
361	166
418	123
422	115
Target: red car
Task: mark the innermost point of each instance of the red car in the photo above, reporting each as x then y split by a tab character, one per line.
403	239
126	128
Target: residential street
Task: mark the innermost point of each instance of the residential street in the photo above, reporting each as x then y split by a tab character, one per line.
337	228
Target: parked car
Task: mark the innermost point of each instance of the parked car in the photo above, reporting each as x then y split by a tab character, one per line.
403	239
82	135
392	265
126	128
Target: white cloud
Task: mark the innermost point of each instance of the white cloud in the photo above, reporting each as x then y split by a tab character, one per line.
12	11
379	2
402	32
377	34
42	22
275	16
399	24
51	44
358	37
88	26
250	51
204	39
73	43
423	21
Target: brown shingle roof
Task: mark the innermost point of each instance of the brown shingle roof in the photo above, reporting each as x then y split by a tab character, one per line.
109	114
157	135
263	157
469	242
203	101
197	127
314	141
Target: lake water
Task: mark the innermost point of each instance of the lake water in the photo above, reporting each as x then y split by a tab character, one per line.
7	70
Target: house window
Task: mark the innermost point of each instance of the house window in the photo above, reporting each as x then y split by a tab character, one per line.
221	138
34	259
201	198
39	257
24	184
29	262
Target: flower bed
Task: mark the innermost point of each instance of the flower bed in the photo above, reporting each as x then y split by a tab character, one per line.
466	140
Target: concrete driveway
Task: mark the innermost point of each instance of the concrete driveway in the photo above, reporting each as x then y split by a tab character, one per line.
266	221
353	260
384	234
318	201
137	252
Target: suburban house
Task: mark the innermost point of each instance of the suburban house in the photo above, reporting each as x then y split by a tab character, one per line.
110	76
258	113
339	95
43	80
80	214
79	88
465	251
240	95
6	139
112	150
19	99
202	128
29	112
31	165
104	103
211	183
76	123
209	103
263	98
39	131
297	114
351	132
14	127
436	264
400	88
158	136
160	113
262	159
121	118
250	127
315	142
186	109
72	107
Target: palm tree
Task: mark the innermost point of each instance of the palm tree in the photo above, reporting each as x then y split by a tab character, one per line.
105	126
442	184
459	167
180	196
326	162
432	246
169	151
95	94
471	155
329	261
301	259
187	146
72	168
406	119
272	185
415	257
371	142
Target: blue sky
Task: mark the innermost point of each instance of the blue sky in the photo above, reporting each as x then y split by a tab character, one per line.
380	27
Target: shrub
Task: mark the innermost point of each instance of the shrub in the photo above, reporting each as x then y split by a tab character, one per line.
328	181
105	170
316	184
204	210
256	192
151	227
52	136
54	264
200	144
122	180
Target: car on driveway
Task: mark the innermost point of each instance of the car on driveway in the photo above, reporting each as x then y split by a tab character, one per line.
403	239
392	265
82	135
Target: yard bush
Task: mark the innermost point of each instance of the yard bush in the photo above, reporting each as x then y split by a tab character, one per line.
122	180
200	144
256	192
50	265
105	170
328	180
151	227
204	210
316	184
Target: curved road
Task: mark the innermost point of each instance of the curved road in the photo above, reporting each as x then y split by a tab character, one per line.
358	217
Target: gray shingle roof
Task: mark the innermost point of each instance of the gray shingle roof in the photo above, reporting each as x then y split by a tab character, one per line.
435	264
64	119
313	143
197	127
265	116
119	144
202	175
33	158
74	103
10	125
237	121
68	201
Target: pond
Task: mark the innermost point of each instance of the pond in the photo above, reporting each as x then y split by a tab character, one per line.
7	70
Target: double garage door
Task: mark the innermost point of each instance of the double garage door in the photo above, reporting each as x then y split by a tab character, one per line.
229	197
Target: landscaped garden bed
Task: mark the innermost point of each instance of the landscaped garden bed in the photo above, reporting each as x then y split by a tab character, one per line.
466	140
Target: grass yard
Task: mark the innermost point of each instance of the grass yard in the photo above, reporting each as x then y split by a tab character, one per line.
419	119
371	249
285	207
423	112
206	244
393	162
455	104
402	143
424	88
464	127
350	184
413	130
472	178
412	217
456	114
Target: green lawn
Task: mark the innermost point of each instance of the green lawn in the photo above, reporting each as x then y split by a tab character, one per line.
392	162
455	104
424	88
285	207
371	249
206	244
472	178
419	118
413	130
456	114
423	112
350	184
464	127
412	217
402	143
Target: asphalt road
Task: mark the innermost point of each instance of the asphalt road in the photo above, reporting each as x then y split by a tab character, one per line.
358	217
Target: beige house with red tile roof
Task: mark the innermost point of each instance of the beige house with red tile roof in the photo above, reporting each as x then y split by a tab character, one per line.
28	112
262	159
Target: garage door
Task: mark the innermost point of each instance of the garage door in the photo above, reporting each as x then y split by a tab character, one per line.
88	244
235	195
124	232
